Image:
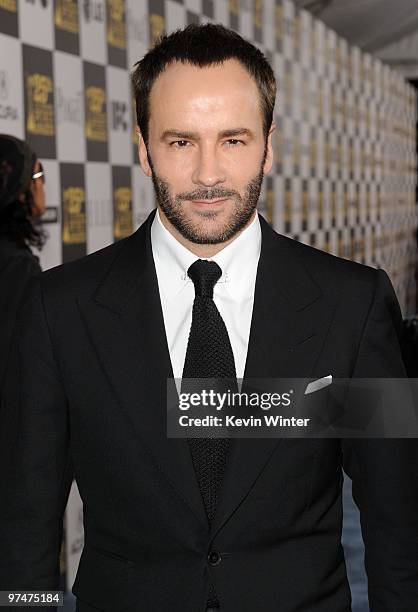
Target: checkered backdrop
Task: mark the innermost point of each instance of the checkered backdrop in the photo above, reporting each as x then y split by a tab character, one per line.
345	171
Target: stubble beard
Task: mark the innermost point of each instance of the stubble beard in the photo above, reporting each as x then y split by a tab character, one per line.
241	213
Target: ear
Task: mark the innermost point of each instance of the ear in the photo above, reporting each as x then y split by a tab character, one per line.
143	154
269	155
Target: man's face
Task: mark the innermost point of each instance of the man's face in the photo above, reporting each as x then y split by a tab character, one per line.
206	143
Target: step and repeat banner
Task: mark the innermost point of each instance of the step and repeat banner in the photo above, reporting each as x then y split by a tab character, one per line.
345	145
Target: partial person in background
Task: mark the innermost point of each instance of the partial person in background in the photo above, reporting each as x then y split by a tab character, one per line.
22	202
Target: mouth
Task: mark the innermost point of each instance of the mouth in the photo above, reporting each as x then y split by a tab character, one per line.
209	202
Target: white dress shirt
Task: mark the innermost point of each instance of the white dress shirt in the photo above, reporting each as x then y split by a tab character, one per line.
233	294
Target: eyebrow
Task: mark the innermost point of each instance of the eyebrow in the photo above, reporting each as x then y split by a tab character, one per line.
195	136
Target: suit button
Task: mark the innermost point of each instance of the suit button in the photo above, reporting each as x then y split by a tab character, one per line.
214	557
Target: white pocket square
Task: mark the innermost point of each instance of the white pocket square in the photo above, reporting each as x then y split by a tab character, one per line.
320	383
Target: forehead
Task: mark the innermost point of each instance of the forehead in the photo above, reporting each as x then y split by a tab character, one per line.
188	93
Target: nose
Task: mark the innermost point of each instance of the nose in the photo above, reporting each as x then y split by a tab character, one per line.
208	171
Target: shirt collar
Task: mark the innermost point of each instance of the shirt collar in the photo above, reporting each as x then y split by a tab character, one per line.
172	260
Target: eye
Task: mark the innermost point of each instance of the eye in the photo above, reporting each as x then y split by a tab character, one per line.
235	140
177	141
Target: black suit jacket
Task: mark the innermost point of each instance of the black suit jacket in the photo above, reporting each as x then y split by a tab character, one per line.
85	395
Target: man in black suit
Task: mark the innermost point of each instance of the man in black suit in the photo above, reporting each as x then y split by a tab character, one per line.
252	524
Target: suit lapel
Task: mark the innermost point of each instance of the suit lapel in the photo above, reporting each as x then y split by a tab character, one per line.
126	326
124	320
287	331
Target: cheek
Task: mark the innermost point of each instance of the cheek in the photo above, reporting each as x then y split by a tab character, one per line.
176	167
176	173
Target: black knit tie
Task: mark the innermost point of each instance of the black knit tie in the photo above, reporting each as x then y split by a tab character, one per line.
209	355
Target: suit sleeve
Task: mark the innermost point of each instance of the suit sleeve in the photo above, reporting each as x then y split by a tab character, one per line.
384	472
35	460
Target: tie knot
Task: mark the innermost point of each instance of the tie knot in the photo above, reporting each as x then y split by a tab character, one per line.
204	275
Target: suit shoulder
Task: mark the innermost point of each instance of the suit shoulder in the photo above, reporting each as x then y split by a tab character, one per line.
81	276
323	265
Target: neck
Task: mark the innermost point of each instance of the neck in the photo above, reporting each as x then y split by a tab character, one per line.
201	250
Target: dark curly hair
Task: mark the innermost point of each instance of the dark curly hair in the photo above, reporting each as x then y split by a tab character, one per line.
17	162
16	223
202	45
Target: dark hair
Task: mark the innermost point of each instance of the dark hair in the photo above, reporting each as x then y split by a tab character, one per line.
17	163
202	45
16	223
